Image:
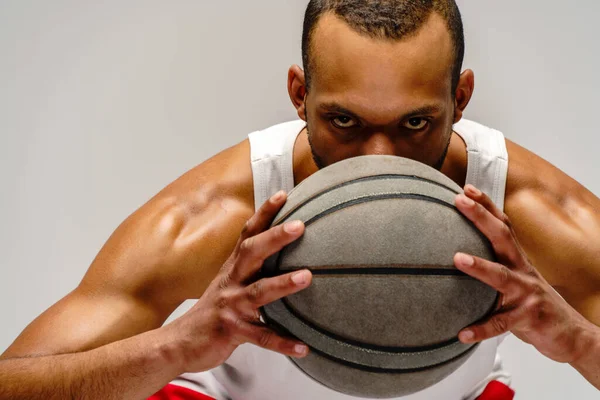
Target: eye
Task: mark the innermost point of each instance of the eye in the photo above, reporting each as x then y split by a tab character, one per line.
343	122
416	124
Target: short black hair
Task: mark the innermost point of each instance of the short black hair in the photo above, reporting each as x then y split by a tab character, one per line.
385	19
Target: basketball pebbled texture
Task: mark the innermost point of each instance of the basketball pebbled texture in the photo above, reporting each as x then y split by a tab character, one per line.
386	303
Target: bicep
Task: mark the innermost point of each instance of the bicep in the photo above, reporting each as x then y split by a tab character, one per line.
560	234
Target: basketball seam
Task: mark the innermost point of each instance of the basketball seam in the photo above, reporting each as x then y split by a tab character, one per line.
380	196
367	346
384	271
387	370
357	180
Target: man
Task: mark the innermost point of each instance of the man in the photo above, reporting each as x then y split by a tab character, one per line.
380	77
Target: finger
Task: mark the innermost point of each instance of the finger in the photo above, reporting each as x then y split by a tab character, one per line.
262	219
499	234
267	339
499	277
255	250
496	325
259	222
267	290
475	194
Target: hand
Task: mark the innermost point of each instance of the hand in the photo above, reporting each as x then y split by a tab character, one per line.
530	308
227	314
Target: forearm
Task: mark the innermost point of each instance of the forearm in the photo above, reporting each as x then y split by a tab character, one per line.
133	368
588	363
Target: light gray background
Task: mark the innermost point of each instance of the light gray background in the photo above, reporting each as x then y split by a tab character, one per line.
104	103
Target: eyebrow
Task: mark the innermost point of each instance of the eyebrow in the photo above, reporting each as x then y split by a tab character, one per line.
335	107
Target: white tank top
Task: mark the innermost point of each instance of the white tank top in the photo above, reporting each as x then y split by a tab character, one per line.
252	373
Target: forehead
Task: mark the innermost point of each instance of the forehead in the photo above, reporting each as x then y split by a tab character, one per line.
365	69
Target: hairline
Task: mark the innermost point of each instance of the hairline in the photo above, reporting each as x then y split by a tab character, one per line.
308	64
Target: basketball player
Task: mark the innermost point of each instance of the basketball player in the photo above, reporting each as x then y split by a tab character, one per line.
379	77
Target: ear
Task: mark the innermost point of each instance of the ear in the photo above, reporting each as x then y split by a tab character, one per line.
464	92
297	90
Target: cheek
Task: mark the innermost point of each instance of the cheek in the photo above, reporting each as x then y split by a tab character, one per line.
440	132
329	147
322	135
426	148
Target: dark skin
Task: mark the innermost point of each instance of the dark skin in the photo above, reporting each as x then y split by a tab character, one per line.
529	306
367	97
555	218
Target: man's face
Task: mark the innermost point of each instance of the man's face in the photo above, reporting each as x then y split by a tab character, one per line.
386	97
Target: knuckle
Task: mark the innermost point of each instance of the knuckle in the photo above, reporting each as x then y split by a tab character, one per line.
222	301
225	281
247	247
505	276
537	310
537	289
256	292
231	322
225	324
238	324
226	299
499	324
266	338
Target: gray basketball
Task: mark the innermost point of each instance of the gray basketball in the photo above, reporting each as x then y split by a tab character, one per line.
386	303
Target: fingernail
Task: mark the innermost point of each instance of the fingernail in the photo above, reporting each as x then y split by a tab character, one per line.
474	190
277	196
465	259
300	278
467	201
300	349
292	227
466	336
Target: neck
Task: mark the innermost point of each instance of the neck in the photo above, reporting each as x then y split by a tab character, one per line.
455	165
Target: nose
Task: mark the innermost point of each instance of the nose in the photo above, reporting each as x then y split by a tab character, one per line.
378	143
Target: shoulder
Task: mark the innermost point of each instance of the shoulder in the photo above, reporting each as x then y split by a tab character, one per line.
534	186
219	187
170	248
530	177
228	174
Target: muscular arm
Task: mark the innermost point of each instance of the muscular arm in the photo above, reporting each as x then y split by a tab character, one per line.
166	252
588	365
133	368
223	318
148	267
557	221
531	309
